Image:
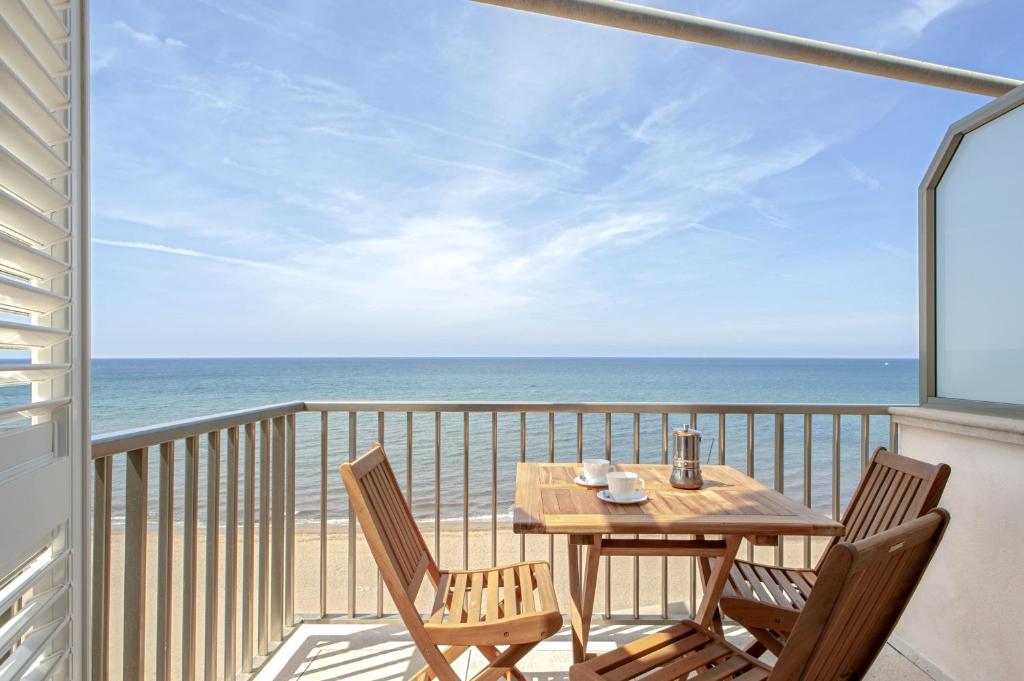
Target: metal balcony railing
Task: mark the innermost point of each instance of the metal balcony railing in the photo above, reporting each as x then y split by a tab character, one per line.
245	485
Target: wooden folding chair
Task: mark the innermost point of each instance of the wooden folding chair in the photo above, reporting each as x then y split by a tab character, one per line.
512	606
767	600
861	591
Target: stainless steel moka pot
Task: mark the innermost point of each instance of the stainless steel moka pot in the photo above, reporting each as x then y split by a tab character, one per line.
686	465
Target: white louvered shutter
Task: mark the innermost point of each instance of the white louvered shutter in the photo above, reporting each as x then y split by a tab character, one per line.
43	339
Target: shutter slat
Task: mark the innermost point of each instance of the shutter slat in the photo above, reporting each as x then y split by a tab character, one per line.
20	257
22	621
26	336
24	143
20	374
32	111
20	59
30	650
32	410
28	185
24	298
47	17
47	666
28	223
35	570
34	37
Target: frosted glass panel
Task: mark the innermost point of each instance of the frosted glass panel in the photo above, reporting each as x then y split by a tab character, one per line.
979	266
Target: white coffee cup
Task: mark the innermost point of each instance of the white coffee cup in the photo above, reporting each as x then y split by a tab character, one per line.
595	470
623	485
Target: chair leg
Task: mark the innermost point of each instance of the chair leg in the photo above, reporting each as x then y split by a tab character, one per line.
505	664
492	653
441	668
766	639
756	649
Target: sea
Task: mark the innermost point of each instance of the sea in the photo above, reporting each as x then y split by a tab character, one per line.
134	393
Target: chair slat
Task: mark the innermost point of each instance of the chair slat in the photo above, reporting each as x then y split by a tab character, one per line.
792	593
476	592
441	599
508	585
768	581
493	592
526	589
456	613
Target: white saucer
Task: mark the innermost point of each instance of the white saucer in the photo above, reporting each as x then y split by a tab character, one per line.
580	480
605	496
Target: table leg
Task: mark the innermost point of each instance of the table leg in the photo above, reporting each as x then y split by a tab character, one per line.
705	575
716	581
582	595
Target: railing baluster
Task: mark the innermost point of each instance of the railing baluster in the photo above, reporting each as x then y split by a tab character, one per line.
212	551
551	459
324	448
579	459
190	560
231	555
664	559
353	422
693	559
522	458
780	476
865	436
277	521
437	486
721	439
836	455
894	436
494	488
249	503
262	626
465	490
136	522
103	484
636	559
165	562
808	480
289	544
608	559
380	580
750	467
408	457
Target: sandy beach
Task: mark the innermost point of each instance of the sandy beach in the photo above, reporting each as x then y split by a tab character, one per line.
453	539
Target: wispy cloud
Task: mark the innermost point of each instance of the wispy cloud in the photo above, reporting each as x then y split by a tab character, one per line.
191	253
148	39
915	17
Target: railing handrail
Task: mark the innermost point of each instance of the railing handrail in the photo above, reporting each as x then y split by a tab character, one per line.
603	407
108	444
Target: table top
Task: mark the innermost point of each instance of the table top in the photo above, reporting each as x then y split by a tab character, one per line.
549	502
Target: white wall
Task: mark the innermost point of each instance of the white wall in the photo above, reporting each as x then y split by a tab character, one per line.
966	619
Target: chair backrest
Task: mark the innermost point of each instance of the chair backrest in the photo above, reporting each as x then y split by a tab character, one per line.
859	595
390	530
894	489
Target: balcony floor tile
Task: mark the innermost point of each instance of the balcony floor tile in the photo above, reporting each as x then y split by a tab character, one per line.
384	652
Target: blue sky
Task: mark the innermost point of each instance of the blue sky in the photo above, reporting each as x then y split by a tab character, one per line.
445	178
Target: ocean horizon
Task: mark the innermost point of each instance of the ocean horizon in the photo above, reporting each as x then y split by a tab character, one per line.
135	392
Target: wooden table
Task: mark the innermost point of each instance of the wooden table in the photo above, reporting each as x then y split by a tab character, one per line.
731	505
